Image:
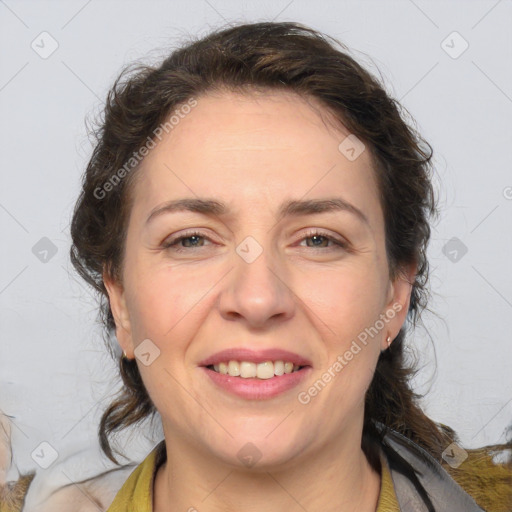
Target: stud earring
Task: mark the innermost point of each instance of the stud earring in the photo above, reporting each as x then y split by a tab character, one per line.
388	339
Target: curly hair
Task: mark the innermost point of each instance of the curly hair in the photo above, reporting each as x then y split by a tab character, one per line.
266	56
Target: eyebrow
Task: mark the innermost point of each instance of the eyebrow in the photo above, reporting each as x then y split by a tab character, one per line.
292	208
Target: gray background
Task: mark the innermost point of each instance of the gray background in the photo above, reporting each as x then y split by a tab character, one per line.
55	374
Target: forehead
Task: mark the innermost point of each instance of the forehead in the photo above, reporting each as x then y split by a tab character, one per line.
255	149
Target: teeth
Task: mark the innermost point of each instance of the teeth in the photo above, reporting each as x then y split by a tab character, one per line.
278	368
247	370
234	368
265	370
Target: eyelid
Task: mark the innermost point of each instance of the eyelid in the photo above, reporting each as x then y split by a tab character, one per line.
176	237
324	233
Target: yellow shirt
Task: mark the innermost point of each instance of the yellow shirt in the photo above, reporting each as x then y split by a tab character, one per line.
136	495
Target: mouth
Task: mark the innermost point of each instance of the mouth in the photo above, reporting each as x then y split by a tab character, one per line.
249	370
256	374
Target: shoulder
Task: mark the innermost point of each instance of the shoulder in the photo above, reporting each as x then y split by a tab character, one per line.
88	495
114	490
486	475
420	479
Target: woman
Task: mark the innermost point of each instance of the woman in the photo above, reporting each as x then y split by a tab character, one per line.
255	216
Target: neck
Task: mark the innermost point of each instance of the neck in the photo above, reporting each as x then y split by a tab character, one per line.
344	483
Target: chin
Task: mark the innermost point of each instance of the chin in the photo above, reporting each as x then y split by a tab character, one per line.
261	459
260	452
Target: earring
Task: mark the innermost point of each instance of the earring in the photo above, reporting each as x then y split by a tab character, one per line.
388	339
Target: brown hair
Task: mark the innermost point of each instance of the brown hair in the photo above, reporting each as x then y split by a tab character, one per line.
286	56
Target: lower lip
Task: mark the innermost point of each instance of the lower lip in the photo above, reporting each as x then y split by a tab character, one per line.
258	389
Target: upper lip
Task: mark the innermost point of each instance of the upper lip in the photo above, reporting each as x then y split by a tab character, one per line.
255	356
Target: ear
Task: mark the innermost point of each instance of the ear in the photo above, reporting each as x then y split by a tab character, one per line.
117	299
397	306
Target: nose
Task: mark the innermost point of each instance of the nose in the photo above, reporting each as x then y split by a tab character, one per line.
257	292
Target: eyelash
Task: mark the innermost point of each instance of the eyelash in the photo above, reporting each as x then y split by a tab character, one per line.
338	244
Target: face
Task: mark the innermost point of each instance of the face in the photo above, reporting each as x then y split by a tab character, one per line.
255	277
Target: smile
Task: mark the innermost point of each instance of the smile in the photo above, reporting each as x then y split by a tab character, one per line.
253	387
248	369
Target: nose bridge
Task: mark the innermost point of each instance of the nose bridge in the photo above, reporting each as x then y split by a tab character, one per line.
257	289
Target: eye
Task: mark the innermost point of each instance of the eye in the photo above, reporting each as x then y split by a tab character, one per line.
323	237
193	237
193	241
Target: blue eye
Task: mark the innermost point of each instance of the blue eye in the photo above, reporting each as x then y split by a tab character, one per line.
173	243
317	235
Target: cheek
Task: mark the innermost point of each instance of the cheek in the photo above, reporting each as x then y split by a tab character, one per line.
346	304
147	306
161	297
346	299
348	371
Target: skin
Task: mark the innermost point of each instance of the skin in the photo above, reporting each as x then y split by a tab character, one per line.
254	151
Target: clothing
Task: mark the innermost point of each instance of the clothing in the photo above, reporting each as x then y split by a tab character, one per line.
136	495
398	492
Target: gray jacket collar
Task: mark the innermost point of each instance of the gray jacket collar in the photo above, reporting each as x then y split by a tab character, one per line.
430	481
